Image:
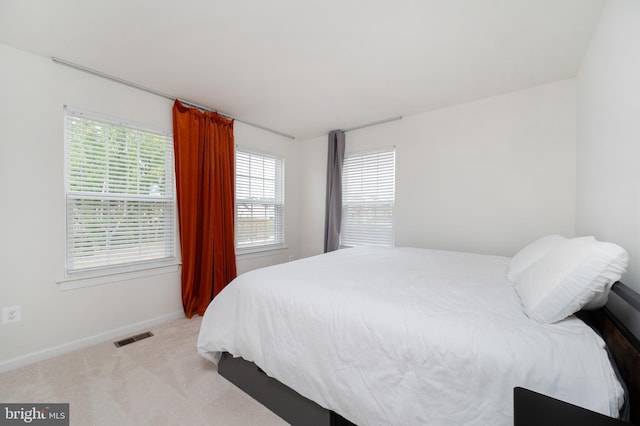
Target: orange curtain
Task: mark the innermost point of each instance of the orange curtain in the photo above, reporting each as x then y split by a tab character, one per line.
204	159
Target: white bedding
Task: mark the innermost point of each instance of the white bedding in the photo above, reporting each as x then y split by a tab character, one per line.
406	336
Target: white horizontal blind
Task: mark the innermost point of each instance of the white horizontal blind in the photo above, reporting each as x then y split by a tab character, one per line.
259	200
368	196
120	198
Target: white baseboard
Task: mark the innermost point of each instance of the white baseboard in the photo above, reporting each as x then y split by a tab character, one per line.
106	336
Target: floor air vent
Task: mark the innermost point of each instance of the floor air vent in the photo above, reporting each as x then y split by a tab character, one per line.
129	340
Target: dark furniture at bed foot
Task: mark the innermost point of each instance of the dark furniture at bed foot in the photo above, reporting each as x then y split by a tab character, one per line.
282	400
534	409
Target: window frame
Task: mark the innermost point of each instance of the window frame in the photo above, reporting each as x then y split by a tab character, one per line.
84	276
389	241
279	202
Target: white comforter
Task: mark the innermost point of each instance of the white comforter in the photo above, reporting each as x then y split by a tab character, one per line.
405	337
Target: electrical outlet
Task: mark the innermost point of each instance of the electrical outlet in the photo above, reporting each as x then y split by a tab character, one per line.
11	314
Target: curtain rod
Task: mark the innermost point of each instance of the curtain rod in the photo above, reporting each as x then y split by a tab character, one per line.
161	94
374	123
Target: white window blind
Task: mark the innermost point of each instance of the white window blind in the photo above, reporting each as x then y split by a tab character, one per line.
368	196
119	188
259	200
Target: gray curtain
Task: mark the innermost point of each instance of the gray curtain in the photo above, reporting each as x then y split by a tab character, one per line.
333	209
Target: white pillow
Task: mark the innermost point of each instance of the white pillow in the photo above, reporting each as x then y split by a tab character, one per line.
531	254
574	274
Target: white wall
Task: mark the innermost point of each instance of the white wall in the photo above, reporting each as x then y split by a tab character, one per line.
313	157
488	176
32	217
608	150
34	91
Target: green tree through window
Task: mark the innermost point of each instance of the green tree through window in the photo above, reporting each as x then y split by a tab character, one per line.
119	193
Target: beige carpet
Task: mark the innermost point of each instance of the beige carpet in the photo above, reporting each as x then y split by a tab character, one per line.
157	381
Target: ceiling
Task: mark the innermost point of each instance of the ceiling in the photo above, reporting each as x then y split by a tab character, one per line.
307	67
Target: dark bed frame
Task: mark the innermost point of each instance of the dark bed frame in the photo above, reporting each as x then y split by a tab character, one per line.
618	322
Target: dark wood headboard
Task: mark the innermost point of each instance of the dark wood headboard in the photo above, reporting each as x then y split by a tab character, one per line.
619	325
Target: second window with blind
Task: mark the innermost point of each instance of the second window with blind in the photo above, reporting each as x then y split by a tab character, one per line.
259	201
368	198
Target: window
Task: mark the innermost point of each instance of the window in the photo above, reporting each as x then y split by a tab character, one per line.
119	189
259	201
368	194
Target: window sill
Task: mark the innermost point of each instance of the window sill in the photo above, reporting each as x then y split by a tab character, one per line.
72	283
260	252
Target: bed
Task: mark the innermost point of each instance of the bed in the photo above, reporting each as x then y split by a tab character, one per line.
402	336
